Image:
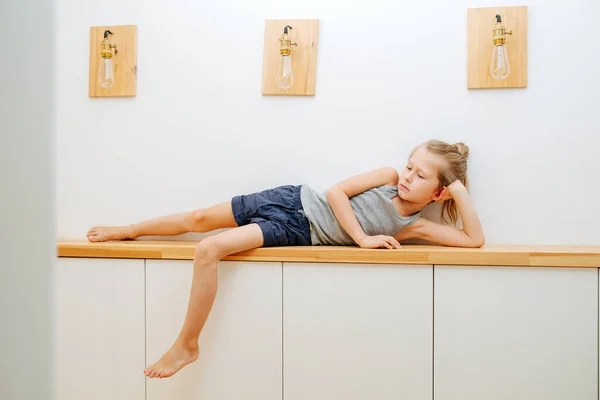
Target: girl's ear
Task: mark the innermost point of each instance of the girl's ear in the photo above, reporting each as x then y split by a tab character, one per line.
440	194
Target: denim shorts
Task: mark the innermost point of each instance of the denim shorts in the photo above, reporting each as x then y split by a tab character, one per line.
279	214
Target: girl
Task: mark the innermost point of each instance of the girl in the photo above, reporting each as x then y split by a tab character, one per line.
376	209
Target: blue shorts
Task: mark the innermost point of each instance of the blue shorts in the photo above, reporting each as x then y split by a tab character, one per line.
279	214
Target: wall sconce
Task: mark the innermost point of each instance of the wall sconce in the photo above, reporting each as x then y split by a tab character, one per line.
285	72
113	61
288	72
106	75
507	66
500	66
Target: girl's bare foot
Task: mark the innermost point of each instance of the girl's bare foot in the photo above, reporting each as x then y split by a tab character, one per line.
176	358
104	233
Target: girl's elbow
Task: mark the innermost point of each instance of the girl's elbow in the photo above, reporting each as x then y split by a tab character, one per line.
478	242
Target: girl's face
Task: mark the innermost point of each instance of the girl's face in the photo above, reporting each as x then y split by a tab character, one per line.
419	181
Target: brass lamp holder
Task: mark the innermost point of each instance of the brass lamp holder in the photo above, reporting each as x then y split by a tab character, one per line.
500	31
285	43
106	47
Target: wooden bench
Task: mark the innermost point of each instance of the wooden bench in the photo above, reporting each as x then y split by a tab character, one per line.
326	322
533	256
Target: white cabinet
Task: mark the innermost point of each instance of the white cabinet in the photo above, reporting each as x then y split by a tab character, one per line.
516	333
329	331
99	329
240	346
357	331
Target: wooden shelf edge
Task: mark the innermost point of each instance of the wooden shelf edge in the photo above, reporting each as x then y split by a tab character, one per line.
526	256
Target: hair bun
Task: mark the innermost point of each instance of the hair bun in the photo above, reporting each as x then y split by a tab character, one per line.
462	149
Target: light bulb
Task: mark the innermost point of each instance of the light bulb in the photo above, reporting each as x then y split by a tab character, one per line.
106	75
500	68
285	72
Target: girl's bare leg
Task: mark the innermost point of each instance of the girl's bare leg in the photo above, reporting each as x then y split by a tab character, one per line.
201	220
204	289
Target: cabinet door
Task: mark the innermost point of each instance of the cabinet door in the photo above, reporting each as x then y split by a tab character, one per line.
99	329
357	331
240	345
516	333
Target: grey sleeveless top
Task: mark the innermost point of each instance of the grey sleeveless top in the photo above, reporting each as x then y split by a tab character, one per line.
373	209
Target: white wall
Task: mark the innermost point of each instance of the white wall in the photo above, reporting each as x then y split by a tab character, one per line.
27	219
389	76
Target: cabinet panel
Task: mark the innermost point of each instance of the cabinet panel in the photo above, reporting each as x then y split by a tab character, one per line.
516	333
100	341
357	331
240	346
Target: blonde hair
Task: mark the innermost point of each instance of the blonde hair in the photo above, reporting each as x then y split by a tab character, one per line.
455	168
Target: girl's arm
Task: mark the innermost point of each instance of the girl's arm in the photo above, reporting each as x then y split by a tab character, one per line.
339	196
470	236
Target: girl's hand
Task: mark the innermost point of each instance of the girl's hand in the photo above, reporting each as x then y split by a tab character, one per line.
452	189
374	242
